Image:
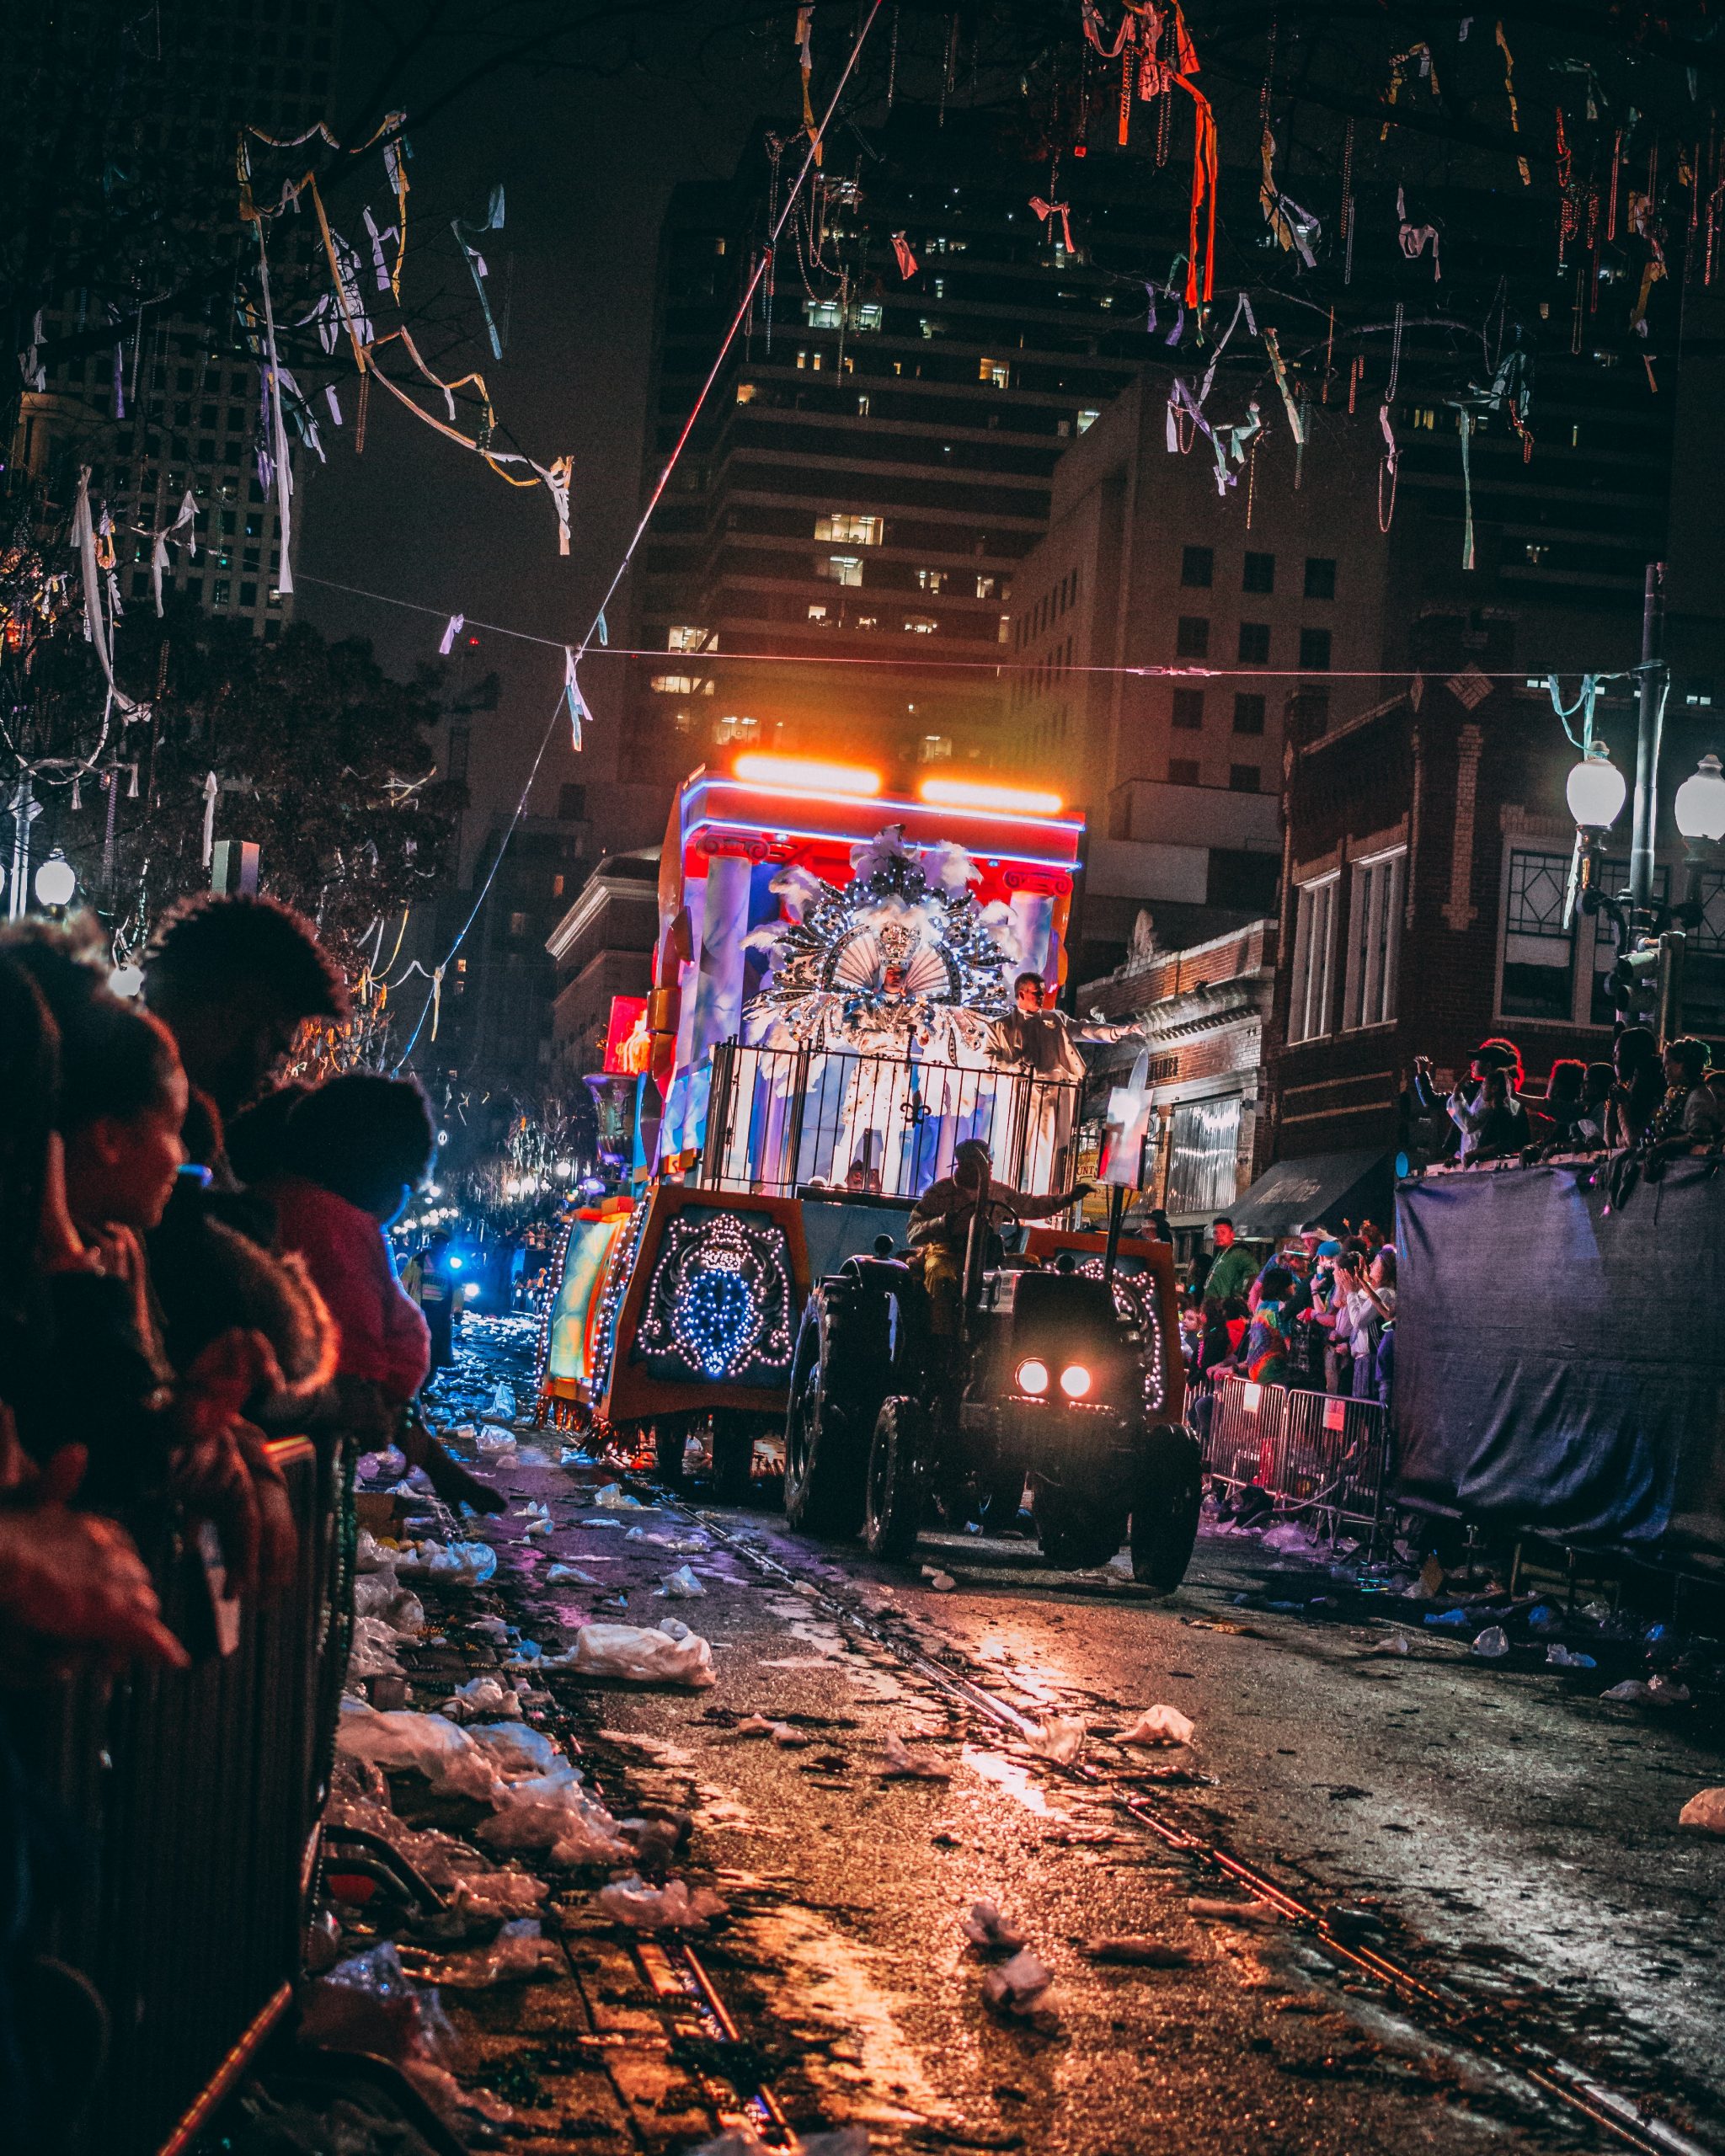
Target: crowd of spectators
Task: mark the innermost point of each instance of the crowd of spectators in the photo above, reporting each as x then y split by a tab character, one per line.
161	1319
1318	1314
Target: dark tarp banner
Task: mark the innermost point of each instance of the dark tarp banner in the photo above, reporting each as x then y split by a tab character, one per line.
1559	1364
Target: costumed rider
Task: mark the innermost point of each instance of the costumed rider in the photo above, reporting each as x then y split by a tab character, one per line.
1042	1042
940	1227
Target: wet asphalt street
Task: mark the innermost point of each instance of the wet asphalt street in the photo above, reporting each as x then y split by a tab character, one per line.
1501	1833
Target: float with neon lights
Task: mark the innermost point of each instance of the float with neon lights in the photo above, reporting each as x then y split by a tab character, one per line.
832	964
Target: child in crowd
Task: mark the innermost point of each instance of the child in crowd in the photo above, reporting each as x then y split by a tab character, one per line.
352	1151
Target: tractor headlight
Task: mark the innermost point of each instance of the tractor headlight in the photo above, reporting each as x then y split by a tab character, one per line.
1076	1381
1032	1376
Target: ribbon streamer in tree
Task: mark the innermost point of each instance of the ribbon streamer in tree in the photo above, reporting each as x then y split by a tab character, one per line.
458	623
1521	165
1294	229
277	432
465	234
96	625
1391	464
1465	423
906	260
1045	210
1296	424
187	518
380	267
212	788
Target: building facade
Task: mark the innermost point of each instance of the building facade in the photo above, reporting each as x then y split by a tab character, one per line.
1205	1010
602	947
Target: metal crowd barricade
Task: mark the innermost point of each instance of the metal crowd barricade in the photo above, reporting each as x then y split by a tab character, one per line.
195	1795
779	1118
1316	1453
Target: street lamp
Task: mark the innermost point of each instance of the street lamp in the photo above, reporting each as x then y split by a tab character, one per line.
1700	806
56	883
1596	790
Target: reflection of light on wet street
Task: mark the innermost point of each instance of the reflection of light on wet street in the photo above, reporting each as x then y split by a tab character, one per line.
1015	1780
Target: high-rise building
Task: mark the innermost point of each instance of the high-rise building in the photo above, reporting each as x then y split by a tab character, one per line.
171	406
874	462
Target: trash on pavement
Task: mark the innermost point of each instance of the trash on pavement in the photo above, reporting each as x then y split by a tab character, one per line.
1654	1692
427	1744
552	1811
480	1696
986	1926
573	1573
743	2140
377	1594
519	1953
1132	1951
899	1763
781	1732
613	1498
942	1582
1019	1986
537	1515
499	1446
518	1749
1558	1657
1396	1643
681	1586
1492	1644
503	1400
1705	1812
1060	1738
368	2004
1158	1725
669	1908
668	1653
375	1649
1543	1619
453	1564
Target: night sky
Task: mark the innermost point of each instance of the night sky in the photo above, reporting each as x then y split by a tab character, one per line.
588	167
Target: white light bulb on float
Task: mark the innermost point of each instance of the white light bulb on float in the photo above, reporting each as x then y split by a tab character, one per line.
56	881
1700	806
1595	790
127	981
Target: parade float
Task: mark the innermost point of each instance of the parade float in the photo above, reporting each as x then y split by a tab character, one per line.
831	968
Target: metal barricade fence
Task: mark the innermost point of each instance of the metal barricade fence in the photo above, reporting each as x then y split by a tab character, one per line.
1314	1452
781	1117
195	1795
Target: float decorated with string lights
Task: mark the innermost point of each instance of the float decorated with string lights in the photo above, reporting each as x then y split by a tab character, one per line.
834	969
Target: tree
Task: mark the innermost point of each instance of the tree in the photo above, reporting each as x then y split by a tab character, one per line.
320	759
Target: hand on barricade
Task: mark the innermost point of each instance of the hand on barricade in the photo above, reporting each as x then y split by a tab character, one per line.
71	1583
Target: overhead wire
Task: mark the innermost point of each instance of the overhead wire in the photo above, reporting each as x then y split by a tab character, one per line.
815	137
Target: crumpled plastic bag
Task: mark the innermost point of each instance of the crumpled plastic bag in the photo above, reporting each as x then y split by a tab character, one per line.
375	1649
669	1908
613	1498
1287	1534
986	1927
503	1401
519	1953
480	1696
572	1573
553	1811
453	1564
1397	1643
781	1732
668	1653
1655	1692
1060	1738
899	1763
368	2004
1542	1618
1705	1812
1158	1725
370	1555
387	1465
518	1749
537	1515
454	2104
1492	1644
681	1586
1558	1657
427	1744
1018	1987
378	1594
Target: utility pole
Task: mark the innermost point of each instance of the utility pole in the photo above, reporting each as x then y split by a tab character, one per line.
1649	726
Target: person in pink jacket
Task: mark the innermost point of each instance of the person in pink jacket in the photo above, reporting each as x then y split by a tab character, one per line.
352	1154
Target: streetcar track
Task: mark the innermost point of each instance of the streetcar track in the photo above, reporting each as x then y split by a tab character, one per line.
1457	2015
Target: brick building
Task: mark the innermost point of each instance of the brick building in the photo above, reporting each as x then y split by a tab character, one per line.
1205	1010
1426	856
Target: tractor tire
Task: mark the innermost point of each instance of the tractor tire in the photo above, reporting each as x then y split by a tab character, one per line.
892	1508
1076	1535
1168	1498
826	1441
733	1455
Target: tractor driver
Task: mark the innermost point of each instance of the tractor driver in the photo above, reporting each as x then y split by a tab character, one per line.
940	1226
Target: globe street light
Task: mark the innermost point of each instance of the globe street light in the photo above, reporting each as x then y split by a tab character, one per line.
1700	806
56	883
1596	790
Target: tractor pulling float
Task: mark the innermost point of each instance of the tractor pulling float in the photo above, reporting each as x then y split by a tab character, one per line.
831	968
